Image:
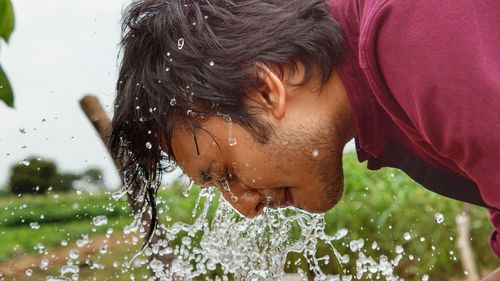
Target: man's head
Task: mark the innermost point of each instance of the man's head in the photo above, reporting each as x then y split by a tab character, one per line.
241	94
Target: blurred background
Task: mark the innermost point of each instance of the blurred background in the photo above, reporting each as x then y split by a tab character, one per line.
56	177
59	51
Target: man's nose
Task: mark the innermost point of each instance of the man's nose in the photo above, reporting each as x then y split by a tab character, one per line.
246	201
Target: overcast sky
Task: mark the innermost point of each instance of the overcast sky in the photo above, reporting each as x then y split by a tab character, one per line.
59	51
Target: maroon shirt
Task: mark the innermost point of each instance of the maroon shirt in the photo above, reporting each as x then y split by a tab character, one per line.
423	80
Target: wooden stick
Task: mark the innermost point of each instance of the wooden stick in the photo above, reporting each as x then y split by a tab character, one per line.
96	114
463	243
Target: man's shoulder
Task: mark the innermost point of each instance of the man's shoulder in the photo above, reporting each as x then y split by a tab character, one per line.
365	18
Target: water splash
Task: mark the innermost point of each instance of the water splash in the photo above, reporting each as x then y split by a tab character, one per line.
121	192
257	249
186	192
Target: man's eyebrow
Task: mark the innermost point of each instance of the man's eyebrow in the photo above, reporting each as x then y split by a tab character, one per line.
212	136
193	131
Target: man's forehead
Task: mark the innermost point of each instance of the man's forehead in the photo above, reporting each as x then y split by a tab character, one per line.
194	150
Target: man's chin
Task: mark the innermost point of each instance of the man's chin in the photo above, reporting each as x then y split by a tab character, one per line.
326	205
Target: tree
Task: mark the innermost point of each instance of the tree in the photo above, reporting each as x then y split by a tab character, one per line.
64	182
7	23
93	176
36	176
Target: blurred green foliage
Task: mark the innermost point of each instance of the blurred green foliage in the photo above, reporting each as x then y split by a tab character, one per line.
37	176
58	208
377	207
7	23
380	206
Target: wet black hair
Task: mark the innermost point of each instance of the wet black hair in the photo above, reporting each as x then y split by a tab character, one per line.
182	59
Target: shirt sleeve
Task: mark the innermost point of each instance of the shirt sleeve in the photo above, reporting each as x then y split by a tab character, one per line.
440	61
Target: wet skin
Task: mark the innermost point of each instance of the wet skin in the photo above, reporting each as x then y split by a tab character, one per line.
300	166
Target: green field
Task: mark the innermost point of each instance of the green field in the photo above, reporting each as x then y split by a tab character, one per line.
377	207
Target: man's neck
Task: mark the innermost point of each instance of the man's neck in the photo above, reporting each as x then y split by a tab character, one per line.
336	95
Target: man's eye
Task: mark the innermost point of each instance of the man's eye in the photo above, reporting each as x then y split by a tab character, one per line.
228	176
206	177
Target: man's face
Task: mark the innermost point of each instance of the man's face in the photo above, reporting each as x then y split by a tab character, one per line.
300	165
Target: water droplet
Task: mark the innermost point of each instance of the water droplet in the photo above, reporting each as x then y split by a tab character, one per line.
425	277
100	220
149	145
74	254
167	69
407	236
58	278
44	264
34	225
439	218
82	242
173	102
234	198
232	141
29	272
356	245
22	131
212	63
399	249
341	233
315	153
25	162
69	269
103	250
156	265
180	43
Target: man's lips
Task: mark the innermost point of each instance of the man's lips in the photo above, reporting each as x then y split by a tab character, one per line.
280	199
284	199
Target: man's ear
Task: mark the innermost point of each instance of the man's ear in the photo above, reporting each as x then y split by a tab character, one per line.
271	94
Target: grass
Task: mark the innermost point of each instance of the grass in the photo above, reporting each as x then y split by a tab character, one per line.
381	206
21	240
377	207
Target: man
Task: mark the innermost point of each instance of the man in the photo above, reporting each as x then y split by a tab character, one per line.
259	97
